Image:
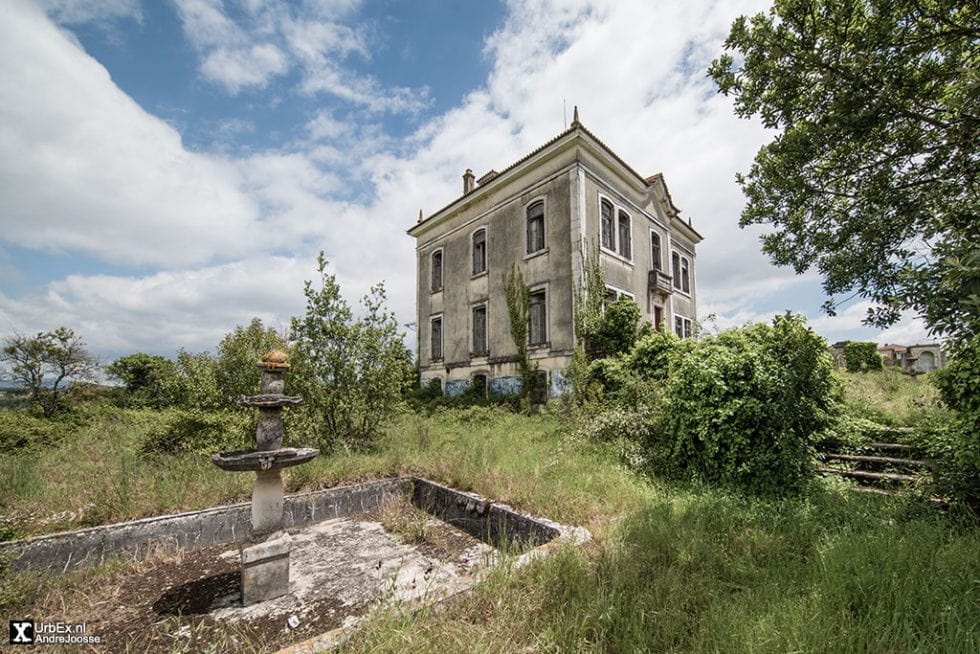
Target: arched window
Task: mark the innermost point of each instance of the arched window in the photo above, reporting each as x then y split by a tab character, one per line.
625	236
655	250
436	271
479	251
535	227
607	234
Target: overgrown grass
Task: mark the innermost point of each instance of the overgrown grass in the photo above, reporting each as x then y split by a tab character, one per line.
671	568
889	397
699	570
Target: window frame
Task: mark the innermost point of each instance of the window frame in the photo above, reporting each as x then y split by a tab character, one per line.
620	213
474	351
442	337
656	251
541	200
442	270
543	340
486	257
618	210
675	269
612	228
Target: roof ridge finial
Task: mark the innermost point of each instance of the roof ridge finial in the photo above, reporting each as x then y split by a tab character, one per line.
575	121
420	215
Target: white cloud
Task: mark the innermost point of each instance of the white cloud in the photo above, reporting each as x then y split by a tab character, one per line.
87	170
236	68
74	12
84	168
273	38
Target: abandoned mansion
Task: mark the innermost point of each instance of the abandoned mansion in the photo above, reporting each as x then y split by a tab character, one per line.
546	213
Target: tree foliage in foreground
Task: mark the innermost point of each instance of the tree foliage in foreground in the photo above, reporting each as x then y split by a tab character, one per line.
48	365
872	178
350	372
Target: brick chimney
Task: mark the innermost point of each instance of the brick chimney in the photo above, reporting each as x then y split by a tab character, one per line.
468	181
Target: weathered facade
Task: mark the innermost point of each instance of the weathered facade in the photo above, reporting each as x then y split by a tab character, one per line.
544	213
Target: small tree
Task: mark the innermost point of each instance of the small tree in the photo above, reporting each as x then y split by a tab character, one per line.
238	353
48	365
518	309
349	372
147	378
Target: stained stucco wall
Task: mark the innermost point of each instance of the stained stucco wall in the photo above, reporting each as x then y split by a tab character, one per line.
503	215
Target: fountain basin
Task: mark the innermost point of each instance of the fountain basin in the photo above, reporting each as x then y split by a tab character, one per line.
270	400
263	460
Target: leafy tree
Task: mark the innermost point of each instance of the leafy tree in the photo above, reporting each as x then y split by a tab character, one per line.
147	378
238	353
195	384
349	372
48	365
872	178
861	357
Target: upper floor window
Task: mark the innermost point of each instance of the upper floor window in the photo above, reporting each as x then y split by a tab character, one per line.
625	235
436	271
479	251
607	233
436	338
675	268
655	250
537	332
480	329
685	276
535	227
615	229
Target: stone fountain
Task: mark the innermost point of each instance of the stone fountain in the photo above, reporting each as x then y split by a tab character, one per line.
265	558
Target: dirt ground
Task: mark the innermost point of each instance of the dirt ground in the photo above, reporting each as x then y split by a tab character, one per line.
340	571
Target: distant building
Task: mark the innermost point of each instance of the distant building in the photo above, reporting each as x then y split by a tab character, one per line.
571	196
893	355
924	357
913	359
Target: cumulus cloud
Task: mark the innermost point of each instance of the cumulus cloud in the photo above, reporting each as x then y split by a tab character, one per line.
87	170
272	38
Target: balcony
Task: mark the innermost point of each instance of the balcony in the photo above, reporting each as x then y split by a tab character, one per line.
661	282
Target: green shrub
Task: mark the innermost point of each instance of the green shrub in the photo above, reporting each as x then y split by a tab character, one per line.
22	430
653	355
861	357
609	373
954	444
616	330
743	408
205	432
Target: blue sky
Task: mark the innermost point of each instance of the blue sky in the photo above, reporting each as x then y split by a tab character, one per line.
170	169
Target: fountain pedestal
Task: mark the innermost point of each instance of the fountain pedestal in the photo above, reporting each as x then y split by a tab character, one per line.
265	560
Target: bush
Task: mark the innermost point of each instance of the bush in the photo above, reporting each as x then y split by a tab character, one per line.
204	432
861	357
743	408
615	332
21	430
955	444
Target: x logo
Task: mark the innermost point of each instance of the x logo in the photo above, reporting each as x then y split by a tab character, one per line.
21	632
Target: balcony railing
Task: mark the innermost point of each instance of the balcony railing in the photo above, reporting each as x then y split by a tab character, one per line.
661	282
